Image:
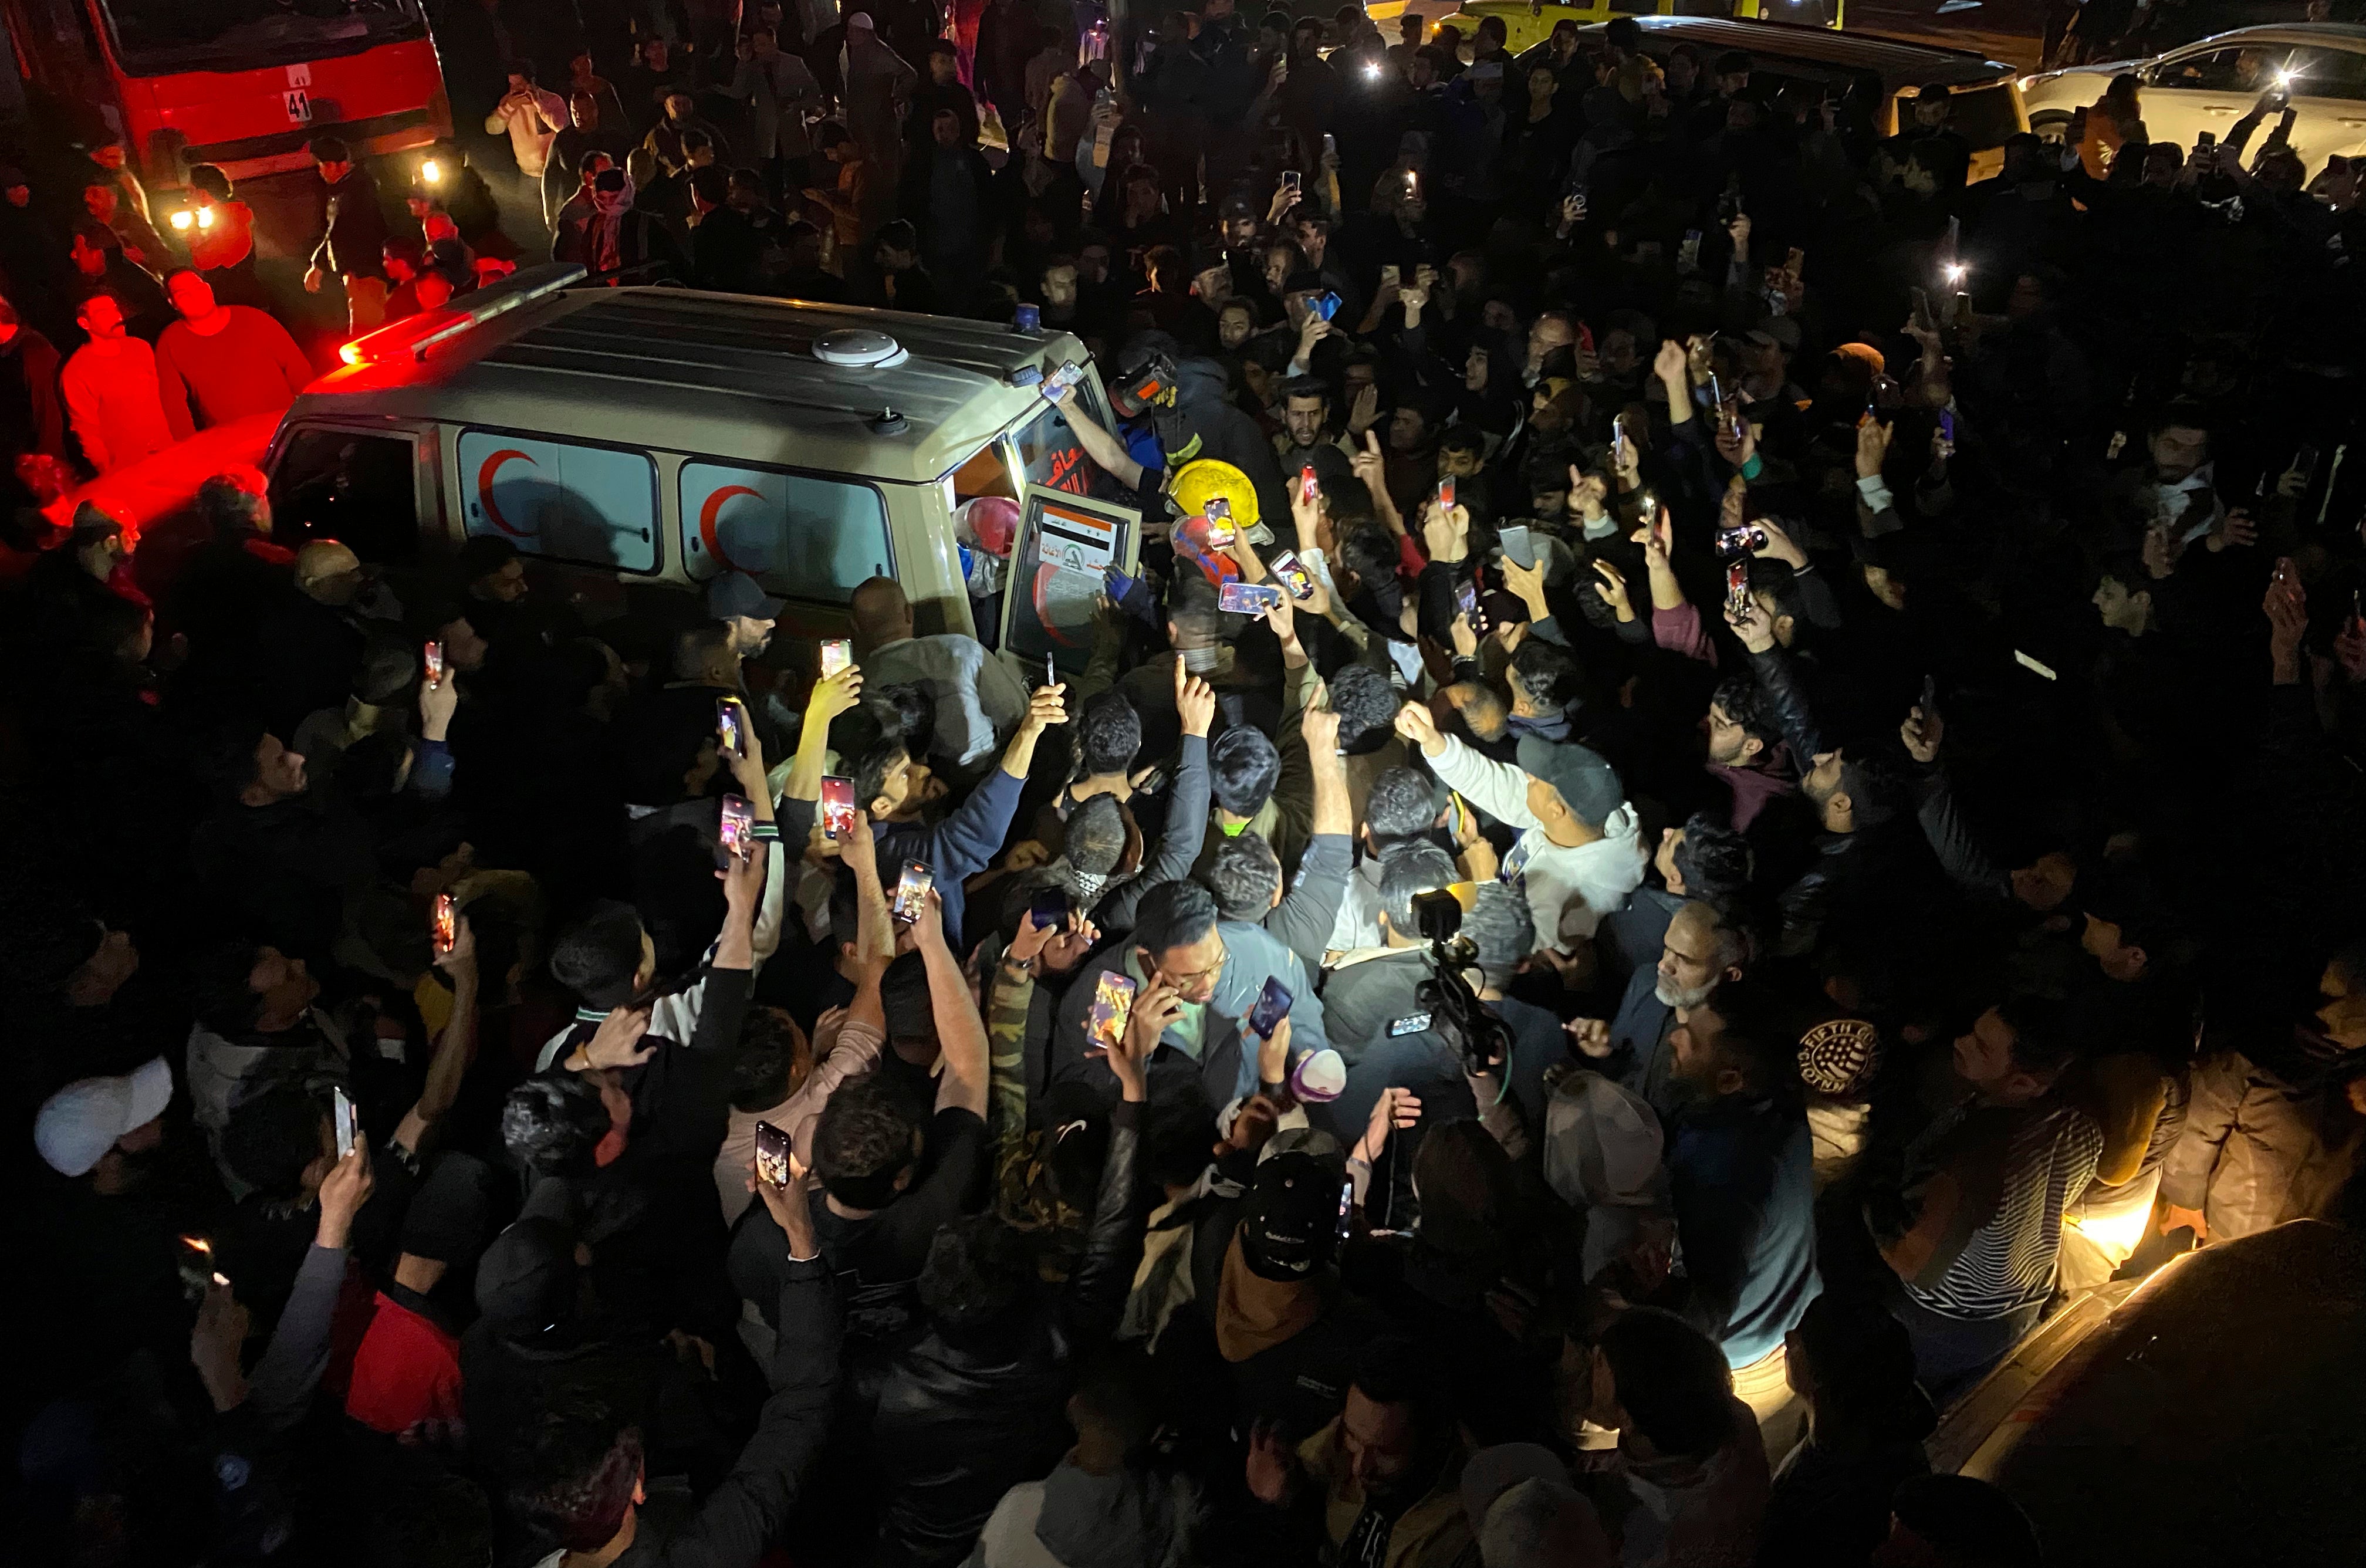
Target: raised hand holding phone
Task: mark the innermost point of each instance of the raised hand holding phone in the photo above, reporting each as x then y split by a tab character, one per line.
343	1192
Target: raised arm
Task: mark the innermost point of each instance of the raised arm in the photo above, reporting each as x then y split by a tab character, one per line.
831	696
961	1034
1099	446
454	1048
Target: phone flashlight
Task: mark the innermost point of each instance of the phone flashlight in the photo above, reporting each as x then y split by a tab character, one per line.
430	171
1957	271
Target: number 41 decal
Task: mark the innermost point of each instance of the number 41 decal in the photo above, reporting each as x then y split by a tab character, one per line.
299	104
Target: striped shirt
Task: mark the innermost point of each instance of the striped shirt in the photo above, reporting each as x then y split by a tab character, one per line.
2009	1261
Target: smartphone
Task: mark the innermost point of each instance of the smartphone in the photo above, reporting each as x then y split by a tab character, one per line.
431	659
836	654
1929	703
1060	380
1050	669
726	728
348	1129
446	930
912	891
1740	541
1112	1000
772	1155
837	806
1248	598
2205	140
1689	253
1519	544
1346	1207
1947	427
1219	513
1293	574
1330	145
1737	586
1326	305
1446	493
2304	463
1272	1006
1619	443
1306	485
1390	275
1411	1023
2032	665
1293	180
1466	599
737	836
1049	909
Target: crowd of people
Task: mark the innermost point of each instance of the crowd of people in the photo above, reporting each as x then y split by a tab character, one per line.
1757	783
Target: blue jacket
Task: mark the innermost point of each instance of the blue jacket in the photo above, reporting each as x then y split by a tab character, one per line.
960	846
1745	1222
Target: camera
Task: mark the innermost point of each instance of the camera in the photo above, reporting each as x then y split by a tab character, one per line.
1456	1015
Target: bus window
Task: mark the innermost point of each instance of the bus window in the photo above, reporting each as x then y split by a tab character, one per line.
562	501
337	484
802	536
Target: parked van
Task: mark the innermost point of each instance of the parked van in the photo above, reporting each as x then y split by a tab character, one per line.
633	443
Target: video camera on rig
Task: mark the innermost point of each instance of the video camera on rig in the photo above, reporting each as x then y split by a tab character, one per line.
1456	1014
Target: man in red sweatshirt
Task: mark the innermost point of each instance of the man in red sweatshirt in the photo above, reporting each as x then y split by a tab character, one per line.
222	361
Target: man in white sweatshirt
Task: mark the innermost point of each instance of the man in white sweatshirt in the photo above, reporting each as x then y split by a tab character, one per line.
1579	852
532	116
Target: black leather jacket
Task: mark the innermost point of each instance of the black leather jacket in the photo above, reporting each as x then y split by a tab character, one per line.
958	1425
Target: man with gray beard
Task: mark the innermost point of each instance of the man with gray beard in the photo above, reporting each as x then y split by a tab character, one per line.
1701	952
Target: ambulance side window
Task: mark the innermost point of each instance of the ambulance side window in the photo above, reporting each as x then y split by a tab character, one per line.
801	535
562	499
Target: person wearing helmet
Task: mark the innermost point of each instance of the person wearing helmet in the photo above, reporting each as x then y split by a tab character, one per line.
1182	402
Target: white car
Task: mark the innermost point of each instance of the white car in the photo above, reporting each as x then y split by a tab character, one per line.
2210	85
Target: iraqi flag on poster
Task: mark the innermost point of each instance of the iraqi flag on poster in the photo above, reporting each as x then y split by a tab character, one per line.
1074	548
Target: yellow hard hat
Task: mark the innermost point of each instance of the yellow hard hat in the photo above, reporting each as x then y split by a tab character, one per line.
1199	481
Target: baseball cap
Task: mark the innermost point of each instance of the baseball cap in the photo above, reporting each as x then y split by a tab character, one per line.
736	593
1588	785
79	1123
860	19
1287	1225
1783	331
1237	206
1872	358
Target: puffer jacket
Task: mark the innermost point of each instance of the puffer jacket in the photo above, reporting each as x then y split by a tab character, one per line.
958	1425
2258	1138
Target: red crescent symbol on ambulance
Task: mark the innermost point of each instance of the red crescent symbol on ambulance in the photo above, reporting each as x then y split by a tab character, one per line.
706	522
485	472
